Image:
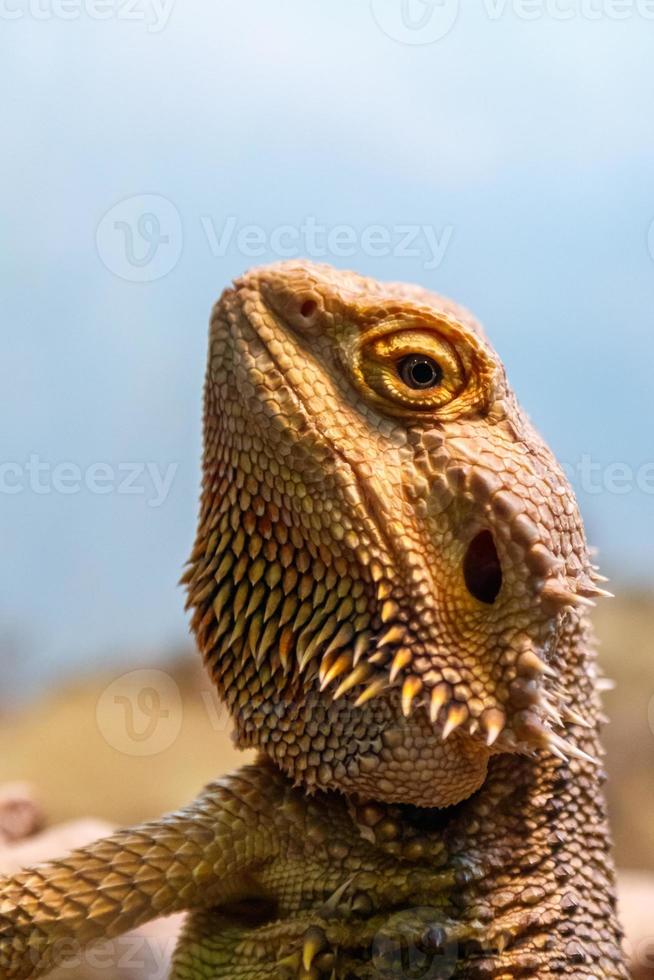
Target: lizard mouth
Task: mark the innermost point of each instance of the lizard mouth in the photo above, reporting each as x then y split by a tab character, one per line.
482	569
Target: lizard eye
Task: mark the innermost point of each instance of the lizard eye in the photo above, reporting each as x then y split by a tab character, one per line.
419	372
409	363
414	368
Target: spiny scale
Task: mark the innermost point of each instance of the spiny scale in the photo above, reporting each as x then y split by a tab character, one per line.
569	749
410	689
340	665
372	691
540	734
571	715
493	721
358	675
456	715
401	660
581	593
361	645
439	695
530	664
394	635
559	593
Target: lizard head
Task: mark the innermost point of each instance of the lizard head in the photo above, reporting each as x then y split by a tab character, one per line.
387	552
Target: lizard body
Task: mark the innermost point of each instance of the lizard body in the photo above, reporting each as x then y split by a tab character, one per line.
389	586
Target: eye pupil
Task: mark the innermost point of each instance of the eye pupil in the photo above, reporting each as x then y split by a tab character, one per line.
419	371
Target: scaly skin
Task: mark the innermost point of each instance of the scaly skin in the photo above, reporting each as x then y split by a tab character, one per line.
389	587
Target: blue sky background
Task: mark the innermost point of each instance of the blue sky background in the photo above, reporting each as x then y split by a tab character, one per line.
526	145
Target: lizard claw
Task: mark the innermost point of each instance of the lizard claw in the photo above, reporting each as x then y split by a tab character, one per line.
312	959
314	942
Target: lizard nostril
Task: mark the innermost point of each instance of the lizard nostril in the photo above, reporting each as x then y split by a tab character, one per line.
482	570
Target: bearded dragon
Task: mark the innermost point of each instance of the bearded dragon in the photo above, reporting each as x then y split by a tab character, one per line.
390	588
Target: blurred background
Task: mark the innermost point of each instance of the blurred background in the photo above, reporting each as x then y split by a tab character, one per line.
500	152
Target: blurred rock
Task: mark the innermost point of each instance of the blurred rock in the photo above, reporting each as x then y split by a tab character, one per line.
20	814
51	843
636	895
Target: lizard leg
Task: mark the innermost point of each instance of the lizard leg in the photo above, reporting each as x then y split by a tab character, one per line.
250	841
203	854
249	838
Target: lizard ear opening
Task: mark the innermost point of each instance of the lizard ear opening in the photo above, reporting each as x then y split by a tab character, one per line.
482	571
308	308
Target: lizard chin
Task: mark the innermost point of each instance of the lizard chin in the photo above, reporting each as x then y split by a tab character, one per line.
369	752
416	768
